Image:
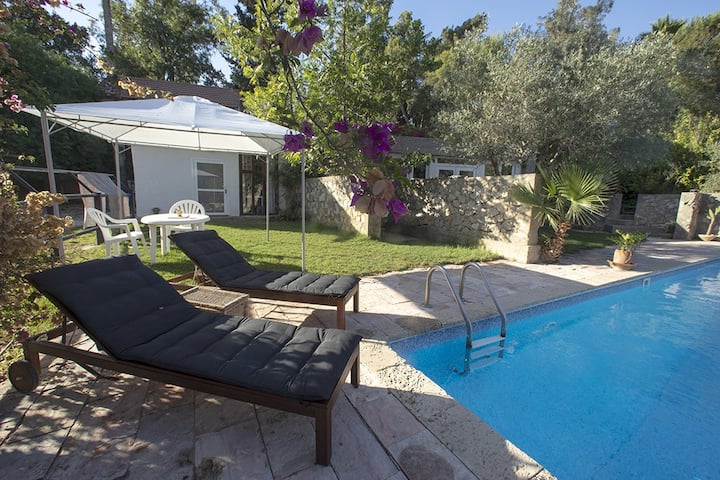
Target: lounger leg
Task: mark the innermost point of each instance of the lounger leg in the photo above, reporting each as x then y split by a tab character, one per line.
323	437
341	316
355	372
356	301
31	355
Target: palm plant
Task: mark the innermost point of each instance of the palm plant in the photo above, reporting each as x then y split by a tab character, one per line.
569	195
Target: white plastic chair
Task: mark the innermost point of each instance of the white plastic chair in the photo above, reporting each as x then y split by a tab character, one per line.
187	207
129	230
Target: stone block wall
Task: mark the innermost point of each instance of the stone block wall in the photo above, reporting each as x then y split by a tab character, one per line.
474	210
654	213
327	201
478	210
691	214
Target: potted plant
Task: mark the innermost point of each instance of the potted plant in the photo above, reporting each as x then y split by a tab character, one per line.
626	243
712	215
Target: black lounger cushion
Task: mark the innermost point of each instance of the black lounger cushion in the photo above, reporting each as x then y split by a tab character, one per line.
135	315
228	269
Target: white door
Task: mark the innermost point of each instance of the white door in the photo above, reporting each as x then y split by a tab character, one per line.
211	191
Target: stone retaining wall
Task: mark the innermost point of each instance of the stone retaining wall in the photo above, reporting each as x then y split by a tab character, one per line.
654	213
478	210
691	216
467	210
327	201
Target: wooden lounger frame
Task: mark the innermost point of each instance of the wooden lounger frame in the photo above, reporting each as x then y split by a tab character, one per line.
321	411
338	302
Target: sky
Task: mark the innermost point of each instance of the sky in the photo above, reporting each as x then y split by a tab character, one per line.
632	17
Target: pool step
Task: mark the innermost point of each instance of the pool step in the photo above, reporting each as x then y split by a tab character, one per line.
484	362
484	350
487	351
481	342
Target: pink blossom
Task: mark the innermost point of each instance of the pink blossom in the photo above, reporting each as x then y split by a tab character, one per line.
14	102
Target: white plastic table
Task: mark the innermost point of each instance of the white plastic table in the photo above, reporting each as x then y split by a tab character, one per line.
162	221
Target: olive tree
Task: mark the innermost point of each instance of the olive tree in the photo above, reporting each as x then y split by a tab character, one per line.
568	91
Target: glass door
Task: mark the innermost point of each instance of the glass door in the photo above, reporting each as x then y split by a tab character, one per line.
211	190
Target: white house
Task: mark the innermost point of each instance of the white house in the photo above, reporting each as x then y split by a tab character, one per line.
444	162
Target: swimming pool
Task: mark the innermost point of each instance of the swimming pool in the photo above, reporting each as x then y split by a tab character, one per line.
618	383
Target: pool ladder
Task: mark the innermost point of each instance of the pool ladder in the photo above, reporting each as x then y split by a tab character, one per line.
481	351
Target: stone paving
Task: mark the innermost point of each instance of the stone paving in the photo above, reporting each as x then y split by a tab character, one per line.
396	425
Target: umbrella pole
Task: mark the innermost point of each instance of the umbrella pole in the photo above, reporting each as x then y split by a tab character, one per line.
302	206
51	174
121	209
267	198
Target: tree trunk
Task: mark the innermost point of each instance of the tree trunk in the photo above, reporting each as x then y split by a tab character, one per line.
555	246
107	18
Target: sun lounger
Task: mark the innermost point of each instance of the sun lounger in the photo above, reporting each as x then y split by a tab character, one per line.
227	269
145	328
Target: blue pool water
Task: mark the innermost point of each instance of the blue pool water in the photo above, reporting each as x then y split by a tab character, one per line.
621	385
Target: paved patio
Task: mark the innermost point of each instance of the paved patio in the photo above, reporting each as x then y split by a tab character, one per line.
397	425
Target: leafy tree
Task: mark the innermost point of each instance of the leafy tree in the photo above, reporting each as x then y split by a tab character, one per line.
695	154
569	195
245	18
165	40
28	233
566	92
667	25
48	67
409	51
699	46
25	247
364	69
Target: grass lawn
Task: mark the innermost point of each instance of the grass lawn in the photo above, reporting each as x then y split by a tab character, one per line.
327	250
580	240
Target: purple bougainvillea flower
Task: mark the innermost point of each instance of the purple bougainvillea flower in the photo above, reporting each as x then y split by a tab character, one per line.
305	40
308	10
397	208
294	142
343	126
307	129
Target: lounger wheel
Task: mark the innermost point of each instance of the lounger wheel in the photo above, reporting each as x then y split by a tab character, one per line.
23	376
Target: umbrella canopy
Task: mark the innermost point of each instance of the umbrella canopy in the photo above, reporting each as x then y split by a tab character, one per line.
184	122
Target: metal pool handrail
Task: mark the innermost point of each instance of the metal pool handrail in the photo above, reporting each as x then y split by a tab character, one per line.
476	265
456	296
482	348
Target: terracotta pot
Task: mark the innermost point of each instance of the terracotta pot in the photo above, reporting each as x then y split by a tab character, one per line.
622	256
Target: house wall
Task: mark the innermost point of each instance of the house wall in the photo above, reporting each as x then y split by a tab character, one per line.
165	175
434	168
